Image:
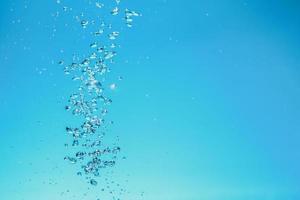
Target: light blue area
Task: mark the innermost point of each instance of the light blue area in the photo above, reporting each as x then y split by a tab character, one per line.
208	108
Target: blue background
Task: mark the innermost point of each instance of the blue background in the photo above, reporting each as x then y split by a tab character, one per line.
208	108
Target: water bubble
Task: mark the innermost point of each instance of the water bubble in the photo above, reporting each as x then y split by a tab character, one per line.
80	155
129	25
104	111
76	78
75	143
113	46
99	5
99	32
93	56
85	62
93	45
129	14
70	159
93	182
110	55
84	23
113	35
112	86
69	130
115	11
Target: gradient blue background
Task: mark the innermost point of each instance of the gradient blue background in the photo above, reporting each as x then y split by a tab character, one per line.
208	108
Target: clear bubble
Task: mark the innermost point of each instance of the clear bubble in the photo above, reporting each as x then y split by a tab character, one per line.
109	55
71	160
84	23
99	5
113	35
112	86
115	11
93	182
93	45
99	32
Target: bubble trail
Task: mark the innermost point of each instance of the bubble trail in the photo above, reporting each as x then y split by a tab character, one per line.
89	102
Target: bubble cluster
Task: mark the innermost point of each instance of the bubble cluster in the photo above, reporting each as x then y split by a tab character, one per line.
89	103
129	15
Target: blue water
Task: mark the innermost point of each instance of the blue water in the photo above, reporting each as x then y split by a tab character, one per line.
207	108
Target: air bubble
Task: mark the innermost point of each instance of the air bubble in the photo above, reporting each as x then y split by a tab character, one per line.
113	35
115	11
99	5
84	23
